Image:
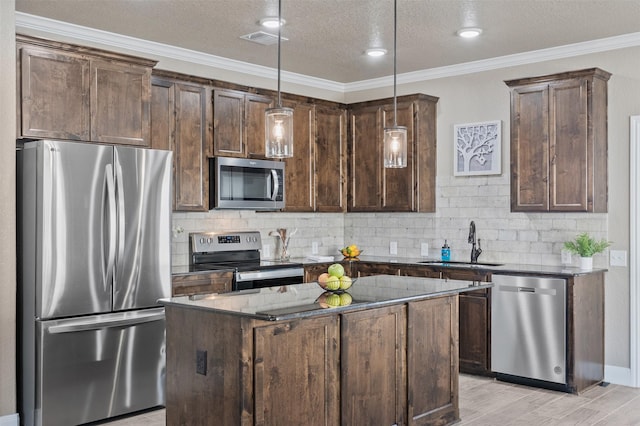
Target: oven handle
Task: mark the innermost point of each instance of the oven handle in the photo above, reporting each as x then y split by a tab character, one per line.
269	274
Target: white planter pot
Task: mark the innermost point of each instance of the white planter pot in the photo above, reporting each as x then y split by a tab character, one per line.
586	262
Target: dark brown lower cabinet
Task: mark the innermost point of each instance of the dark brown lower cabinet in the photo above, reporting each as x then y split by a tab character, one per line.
432	361
475	343
373	367
296	373
396	364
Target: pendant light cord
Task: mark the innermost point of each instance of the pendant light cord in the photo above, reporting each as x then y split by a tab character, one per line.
279	38
395	24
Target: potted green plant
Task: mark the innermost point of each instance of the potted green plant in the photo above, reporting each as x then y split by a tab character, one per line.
586	246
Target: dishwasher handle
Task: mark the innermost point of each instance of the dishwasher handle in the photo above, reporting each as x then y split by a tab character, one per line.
527	289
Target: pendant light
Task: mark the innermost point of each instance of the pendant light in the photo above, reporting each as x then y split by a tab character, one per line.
395	137
279	120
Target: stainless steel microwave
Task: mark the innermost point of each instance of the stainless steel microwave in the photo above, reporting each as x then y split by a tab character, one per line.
243	183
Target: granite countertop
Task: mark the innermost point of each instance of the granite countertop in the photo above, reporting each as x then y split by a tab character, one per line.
301	300
493	267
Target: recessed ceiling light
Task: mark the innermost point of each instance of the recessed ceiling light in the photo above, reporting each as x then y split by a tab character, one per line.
469	32
376	52
271	22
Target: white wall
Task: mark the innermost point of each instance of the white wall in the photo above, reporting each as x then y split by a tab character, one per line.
7	214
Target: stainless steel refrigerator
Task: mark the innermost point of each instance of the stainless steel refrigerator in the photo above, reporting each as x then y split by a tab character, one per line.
94	258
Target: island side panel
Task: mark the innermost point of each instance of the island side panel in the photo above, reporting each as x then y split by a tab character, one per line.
432	361
296	367
217	395
585	331
373	367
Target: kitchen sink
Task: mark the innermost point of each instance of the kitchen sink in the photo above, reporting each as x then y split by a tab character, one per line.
440	262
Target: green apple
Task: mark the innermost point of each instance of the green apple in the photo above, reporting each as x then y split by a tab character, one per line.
332	283
336	270
345	282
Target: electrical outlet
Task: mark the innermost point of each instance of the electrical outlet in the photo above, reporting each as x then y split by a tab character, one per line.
201	362
618	258
565	257
314	247
266	251
424	249
393	247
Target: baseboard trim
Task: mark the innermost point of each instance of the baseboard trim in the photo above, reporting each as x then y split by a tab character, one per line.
10	420
618	375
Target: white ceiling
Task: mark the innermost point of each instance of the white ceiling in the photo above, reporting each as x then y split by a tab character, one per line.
327	38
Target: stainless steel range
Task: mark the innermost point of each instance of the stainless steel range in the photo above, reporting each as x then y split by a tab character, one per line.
240	251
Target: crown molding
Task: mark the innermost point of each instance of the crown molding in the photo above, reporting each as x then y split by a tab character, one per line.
145	48
560	52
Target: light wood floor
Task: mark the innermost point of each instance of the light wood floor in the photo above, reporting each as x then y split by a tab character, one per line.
487	402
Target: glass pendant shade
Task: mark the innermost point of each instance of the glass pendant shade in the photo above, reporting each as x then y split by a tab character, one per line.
279	132
395	147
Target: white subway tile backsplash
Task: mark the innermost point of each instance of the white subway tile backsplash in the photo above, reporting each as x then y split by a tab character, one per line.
530	238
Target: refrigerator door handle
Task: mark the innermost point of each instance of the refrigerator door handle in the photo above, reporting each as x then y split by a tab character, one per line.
111	200
118	321
120	207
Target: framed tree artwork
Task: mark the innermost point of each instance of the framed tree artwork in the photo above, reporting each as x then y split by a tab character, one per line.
477	148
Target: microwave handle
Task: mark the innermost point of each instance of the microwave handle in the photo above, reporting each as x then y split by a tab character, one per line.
276	184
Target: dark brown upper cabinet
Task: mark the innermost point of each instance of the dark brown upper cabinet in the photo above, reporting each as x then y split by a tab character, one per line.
78	93
238	123
181	122
373	188
559	142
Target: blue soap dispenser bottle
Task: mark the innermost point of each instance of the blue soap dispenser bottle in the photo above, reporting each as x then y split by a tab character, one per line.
445	253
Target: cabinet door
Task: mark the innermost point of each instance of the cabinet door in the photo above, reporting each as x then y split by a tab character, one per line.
398	184
254	123
330	160
570	147
365	159
530	148
296	367
474	335
312	272
162	114
299	170
372	368
191	148
419	271
55	95
120	103
432	361
202	283
368	269
228	132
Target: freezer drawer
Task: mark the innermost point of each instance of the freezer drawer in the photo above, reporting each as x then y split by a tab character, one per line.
529	328
99	366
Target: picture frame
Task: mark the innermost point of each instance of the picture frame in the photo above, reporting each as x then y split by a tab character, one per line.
477	148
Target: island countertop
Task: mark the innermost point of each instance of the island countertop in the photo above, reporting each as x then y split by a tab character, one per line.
301	300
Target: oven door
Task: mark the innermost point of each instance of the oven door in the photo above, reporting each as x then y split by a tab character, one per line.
268	278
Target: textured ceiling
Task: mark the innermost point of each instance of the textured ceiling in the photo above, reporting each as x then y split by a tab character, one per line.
327	38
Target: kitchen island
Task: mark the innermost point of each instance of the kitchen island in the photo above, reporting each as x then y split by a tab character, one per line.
276	356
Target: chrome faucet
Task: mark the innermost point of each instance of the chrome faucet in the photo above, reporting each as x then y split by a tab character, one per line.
475	252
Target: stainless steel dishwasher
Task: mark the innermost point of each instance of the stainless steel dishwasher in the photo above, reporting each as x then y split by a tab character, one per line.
529	329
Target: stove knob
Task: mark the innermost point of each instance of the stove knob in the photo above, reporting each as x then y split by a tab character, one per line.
255	239
201	240
209	240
